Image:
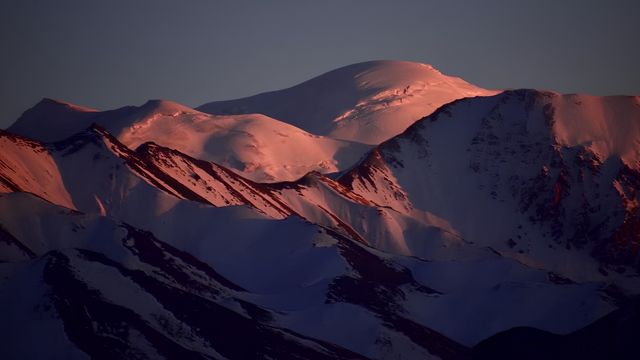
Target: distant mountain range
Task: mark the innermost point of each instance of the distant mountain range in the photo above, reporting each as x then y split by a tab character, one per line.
382	210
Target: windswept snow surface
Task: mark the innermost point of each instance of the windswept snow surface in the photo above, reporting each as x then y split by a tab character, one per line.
254	145
366	102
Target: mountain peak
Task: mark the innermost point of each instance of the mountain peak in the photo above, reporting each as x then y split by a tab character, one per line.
51	120
49	103
367	102
165	107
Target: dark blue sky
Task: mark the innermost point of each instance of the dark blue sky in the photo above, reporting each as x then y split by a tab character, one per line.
107	54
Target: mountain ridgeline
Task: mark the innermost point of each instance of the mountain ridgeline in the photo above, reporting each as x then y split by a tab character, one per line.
381	210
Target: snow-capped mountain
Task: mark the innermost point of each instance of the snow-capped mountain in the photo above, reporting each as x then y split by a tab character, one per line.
256	146
262	137
533	174
367	102
496	219
116	181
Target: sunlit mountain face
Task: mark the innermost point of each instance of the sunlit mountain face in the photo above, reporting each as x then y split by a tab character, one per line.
382	210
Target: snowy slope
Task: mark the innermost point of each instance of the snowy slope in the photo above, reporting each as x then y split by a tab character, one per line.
306	281
324	201
256	146
366	102
107	178
117	181
26	165
84	257
106	289
540	176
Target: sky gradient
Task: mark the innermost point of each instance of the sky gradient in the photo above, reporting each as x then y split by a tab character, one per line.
107	54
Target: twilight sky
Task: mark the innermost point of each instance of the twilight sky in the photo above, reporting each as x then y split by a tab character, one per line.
107	54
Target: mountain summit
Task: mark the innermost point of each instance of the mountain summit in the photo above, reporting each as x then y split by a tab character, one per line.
367	102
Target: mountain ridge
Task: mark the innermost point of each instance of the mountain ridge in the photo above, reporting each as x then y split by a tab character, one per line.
162	231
